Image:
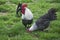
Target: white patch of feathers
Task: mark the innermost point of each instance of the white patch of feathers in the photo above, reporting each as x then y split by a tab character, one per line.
33	27
28	14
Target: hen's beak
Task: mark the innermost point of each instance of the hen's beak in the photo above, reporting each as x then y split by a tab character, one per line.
28	30
18	9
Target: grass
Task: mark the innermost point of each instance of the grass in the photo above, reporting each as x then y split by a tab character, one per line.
11	27
3	2
7	8
20	1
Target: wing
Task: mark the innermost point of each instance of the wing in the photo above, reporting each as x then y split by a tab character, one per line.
42	23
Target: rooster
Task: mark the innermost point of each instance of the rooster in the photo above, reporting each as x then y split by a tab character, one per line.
27	16
43	22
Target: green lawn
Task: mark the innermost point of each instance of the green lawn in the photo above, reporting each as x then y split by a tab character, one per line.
10	25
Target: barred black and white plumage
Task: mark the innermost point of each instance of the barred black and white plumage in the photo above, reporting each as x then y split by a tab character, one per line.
44	21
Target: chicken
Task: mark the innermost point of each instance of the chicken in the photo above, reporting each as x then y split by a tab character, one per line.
43	22
27	16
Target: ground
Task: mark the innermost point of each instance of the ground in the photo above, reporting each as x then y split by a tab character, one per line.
11	27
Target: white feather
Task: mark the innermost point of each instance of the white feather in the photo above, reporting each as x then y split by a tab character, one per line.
33	27
28	14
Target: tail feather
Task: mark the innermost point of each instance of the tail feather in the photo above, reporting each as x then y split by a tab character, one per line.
53	17
52	14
